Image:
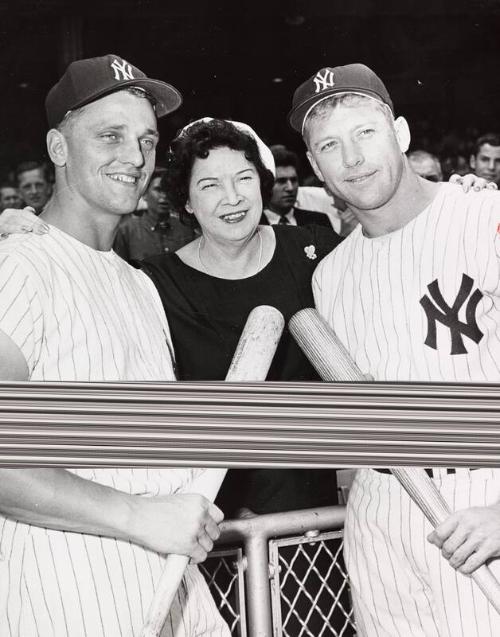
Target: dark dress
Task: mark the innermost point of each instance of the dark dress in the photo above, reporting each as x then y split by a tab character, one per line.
206	315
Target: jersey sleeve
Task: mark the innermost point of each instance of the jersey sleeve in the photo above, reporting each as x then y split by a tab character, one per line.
21	316
496	226
487	236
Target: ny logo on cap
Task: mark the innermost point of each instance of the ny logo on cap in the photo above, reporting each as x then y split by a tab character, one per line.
123	70
324	80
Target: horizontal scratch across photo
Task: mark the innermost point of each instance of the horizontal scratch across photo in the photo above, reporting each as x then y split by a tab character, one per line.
251	424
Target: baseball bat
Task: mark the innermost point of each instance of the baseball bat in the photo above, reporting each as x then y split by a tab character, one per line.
424	493
333	362
322	347
251	361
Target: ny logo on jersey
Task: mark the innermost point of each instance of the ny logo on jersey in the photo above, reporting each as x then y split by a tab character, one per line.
448	315
123	70
323	80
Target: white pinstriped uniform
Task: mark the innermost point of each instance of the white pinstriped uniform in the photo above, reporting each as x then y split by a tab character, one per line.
79	314
372	292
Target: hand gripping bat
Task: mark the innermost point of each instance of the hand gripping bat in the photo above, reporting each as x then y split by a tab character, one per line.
251	361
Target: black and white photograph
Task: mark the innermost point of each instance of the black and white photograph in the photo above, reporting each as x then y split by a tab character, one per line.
250	319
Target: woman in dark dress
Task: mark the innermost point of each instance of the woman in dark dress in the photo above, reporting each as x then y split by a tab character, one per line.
215	173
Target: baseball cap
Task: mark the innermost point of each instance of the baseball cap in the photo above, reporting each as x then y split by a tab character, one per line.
351	78
85	81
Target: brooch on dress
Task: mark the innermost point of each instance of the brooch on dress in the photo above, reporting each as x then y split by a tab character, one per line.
310	252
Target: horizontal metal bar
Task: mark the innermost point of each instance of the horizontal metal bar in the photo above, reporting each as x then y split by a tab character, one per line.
280	524
250	424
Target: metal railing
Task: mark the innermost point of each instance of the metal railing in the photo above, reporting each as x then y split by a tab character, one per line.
294	584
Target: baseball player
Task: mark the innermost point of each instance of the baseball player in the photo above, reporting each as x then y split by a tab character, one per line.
81	550
414	295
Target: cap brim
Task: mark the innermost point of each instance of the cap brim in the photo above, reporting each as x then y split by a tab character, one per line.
167	98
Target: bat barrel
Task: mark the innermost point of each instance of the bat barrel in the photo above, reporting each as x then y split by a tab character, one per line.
322	347
258	341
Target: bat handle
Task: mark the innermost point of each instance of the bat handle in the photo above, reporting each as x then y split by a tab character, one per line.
488	584
171	577
207	484
426	495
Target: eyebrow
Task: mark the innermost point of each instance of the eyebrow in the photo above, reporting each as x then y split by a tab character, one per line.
354	128
121	127
215	178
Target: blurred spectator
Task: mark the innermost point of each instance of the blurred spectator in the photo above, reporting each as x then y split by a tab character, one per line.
314	195
485	159
34	184
9	196
157	230
282	207
454	165
426	165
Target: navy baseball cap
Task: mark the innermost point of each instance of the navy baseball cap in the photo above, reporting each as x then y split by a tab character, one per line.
85	81
351	78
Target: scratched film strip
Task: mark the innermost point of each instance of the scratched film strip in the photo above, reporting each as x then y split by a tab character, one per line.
250	424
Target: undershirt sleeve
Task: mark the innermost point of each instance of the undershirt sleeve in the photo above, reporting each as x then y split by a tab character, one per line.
21	316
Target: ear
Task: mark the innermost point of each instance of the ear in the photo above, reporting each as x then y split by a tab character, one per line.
188	208
314	166
57	147
402	133
472	162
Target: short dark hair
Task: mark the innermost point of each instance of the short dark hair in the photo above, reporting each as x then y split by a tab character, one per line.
159	171
25	166
7	184
284	157
197	141
493	139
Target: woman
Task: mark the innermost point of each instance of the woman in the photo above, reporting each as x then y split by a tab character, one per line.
215	174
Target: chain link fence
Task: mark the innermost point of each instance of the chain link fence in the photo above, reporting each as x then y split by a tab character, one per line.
224	573
309	589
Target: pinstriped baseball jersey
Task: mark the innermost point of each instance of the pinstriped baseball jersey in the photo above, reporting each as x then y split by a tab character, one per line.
421	303
79	314
400	583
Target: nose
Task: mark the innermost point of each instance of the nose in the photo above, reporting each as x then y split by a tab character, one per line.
288	185
131	153
351	154
231	193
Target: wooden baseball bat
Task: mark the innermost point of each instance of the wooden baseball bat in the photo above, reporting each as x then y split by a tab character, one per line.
424	493
322	347
251	361
333	362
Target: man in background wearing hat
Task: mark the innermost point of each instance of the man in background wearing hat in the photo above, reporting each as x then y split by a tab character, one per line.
414	295
80	550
